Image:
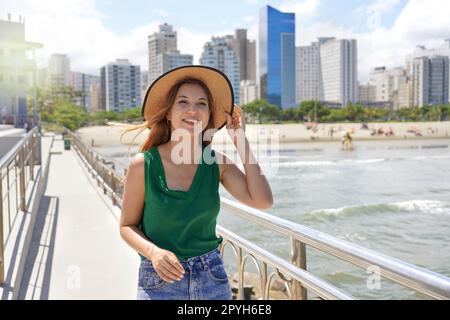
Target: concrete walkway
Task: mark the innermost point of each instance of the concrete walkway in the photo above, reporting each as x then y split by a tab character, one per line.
76	250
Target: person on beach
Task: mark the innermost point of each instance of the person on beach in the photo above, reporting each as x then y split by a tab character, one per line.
171	200
347	140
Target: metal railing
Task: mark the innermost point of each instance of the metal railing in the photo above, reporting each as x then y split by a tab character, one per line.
17	170
419	279
100	169
427	282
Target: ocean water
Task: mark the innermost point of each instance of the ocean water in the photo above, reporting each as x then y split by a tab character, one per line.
389	196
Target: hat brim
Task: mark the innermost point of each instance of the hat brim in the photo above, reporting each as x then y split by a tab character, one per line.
217	82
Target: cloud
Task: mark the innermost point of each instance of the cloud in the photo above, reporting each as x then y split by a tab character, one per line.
162	13
302	9
304	12
420	22
52	7
76	28
382	6
249	19
88	42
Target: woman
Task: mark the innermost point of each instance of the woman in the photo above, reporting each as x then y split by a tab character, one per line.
171	200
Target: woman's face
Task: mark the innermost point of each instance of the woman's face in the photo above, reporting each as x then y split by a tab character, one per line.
190	109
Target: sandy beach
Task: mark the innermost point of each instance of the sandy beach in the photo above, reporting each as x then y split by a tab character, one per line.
104	136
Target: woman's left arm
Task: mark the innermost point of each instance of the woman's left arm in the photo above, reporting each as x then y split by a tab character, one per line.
250	187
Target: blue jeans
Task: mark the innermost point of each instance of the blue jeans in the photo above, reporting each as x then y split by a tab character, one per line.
205	278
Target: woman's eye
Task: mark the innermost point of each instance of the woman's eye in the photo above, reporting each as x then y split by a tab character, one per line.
183	101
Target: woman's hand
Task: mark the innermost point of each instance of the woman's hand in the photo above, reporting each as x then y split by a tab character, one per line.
166	264
236	123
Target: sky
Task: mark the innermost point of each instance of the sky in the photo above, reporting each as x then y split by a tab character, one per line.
95	32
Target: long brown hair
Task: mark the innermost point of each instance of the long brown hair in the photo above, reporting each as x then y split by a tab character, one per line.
160	132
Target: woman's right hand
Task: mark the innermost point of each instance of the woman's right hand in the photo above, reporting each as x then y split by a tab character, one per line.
167	265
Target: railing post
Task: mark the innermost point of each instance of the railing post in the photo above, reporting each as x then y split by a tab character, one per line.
32	155
2	261
298	258
22	179
113	188
264	293
240	295
39	149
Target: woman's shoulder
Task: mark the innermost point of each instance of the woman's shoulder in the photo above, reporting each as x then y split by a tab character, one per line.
137	162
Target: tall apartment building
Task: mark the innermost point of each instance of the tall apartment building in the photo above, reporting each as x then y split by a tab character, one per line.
82	84
391	86
120	83
163	55
339	71
276	61
95	97
158	43
367	93
422	51
430	80
170	60
248	92
308	73
219	54
59	76
246	52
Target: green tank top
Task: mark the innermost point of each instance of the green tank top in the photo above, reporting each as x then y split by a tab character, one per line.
183	222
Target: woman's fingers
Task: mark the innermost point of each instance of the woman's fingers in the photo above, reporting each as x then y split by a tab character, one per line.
172	273
174	265
166	275
238	110
169	273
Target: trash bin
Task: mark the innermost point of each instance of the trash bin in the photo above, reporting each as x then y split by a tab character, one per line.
66	144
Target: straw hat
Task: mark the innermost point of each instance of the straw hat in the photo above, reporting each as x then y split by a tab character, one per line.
216	81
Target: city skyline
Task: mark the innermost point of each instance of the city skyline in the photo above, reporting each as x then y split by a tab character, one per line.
386	30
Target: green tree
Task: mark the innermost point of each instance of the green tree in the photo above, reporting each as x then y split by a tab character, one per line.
335	115
445	111
313	110
291	114
434	113
66	114
262	111
101	117
354	112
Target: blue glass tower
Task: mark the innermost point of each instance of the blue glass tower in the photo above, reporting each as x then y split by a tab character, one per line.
277	56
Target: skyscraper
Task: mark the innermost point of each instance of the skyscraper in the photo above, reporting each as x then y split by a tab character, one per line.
430	80
338	58
219	54
59	72
120	86
95	97
422	51
82	84
170	60
245	51
308	73
276	71
160	42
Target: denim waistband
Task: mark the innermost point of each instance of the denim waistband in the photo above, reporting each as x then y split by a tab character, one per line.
203	258
190	261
